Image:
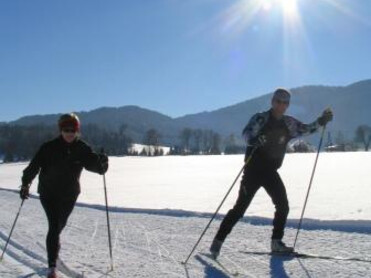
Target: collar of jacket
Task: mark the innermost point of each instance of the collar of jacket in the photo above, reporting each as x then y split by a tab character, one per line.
270	111
63	142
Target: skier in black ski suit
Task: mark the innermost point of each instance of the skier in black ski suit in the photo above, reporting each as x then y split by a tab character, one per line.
269	132
60	162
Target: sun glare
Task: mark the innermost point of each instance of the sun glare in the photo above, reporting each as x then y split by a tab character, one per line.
242	13
289	7
259	17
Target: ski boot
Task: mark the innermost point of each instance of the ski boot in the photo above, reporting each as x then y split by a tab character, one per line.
52	272
215	248
277	246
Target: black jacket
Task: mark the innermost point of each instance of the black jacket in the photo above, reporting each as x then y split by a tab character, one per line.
60	165
270	156
278	134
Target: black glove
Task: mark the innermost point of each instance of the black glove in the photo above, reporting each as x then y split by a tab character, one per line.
24	193
326	117
103	160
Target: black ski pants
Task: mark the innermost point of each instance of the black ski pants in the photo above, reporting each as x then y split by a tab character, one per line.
57	211
252	180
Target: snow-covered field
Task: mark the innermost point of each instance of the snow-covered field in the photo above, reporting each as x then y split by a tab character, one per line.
163	204
198	183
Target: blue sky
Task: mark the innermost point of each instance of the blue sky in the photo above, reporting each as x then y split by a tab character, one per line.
174	56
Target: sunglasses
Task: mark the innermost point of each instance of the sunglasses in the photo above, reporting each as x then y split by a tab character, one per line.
69	130
282	101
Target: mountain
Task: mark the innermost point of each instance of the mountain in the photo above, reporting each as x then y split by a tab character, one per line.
136	119
351	105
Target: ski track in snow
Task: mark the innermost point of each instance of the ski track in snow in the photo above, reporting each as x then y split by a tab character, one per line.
150	245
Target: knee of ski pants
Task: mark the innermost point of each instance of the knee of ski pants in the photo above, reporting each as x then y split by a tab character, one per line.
237	212
56	227
283	208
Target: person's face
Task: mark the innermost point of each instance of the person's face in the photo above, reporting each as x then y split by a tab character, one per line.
69	134
279	106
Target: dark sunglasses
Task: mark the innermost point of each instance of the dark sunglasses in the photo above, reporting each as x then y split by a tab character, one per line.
282	101
69	130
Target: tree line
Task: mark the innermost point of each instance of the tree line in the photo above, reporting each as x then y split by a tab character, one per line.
191	142
363	136
205	142
19	143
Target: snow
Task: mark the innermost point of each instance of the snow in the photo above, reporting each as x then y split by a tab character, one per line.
160	205
198	183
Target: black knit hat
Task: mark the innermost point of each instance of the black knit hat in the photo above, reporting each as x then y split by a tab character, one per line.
282	94
70	120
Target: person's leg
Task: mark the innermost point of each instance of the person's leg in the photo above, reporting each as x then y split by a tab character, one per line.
52	239
277	191
57	212
249	186
65	209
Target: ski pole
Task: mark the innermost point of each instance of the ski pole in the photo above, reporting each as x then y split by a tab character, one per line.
221	204
107	214
11	231
310	185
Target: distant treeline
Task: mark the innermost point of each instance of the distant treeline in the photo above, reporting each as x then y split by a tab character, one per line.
205	141
20	143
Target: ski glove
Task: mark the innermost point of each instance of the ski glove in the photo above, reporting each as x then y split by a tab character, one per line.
326	117
24	193
103	161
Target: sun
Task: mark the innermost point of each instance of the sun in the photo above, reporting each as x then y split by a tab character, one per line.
289	7
242	14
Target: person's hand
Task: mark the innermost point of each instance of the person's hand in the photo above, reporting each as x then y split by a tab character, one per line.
326	117
24	193
103	160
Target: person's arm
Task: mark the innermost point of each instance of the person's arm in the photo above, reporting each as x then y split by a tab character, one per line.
97	163
30	173
33	168
298	129
252	130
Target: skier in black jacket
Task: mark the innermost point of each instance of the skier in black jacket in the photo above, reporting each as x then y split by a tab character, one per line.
59	163
269	132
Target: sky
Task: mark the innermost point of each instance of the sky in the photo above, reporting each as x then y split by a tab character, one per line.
174	56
